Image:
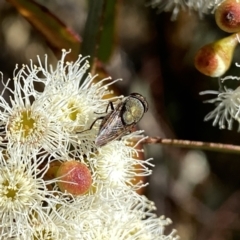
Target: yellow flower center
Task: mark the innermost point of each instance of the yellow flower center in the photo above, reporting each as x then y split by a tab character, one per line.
74	111
27	126
11	192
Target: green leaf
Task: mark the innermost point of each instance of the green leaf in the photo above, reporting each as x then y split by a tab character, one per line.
107	42
98	37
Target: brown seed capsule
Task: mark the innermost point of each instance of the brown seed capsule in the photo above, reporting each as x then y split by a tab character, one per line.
227	16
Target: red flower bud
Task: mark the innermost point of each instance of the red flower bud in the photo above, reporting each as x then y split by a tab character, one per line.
215	58
227	16
75	177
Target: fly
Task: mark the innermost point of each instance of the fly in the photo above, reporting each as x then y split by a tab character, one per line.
121	120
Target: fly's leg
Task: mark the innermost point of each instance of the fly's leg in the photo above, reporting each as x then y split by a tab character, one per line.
110	104
99	118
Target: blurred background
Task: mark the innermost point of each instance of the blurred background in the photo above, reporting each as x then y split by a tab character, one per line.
198	190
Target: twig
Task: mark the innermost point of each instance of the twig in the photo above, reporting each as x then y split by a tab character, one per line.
219	147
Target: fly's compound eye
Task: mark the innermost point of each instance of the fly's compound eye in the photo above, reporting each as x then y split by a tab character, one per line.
141	99
133	110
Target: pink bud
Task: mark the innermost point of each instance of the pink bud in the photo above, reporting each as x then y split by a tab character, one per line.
75	177
215	58
227	16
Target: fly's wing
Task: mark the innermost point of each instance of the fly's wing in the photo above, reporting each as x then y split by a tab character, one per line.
111	129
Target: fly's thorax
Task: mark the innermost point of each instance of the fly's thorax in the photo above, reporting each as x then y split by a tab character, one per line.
132	111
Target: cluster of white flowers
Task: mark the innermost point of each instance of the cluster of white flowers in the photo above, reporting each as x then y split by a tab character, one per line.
201	6
227	103
45	116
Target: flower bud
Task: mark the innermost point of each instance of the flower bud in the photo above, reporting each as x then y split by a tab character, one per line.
215	58
227	16
75	177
